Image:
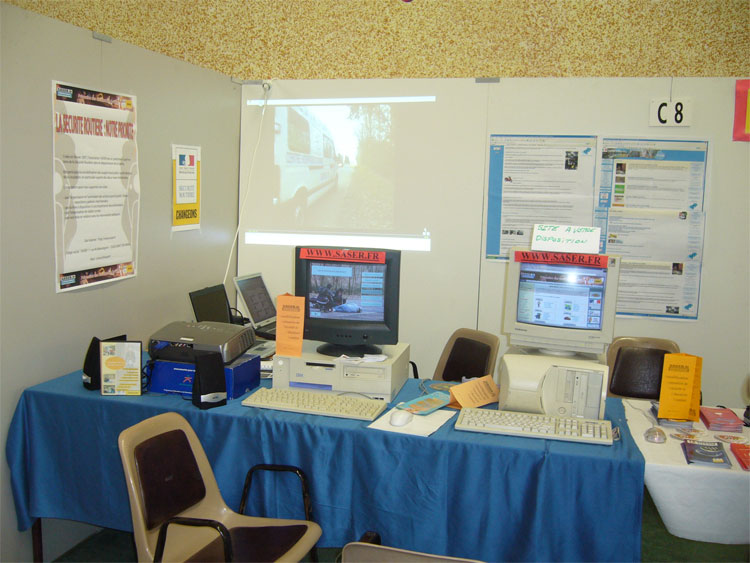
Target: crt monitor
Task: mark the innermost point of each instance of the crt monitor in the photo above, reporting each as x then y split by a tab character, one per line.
351	297
561	303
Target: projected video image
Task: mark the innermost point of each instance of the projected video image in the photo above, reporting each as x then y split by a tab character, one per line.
332	168
347	291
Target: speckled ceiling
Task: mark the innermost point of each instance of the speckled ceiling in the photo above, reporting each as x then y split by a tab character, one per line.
260	39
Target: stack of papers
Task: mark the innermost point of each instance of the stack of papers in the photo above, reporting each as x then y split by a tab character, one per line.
669	422
721	419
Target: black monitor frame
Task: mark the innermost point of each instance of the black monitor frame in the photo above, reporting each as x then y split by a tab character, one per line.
349	336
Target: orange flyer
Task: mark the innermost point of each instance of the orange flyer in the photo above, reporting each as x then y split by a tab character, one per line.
290	324
679	397
474	393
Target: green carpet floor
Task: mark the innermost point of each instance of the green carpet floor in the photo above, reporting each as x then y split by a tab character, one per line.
656	545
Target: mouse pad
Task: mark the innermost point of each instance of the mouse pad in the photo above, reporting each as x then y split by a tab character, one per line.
419	425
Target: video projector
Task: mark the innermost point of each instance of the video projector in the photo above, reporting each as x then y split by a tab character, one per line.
182	341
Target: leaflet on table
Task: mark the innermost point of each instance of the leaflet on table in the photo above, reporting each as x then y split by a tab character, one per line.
120	367
742	453
706	453
537	179
426	403
679	396
290	324
475	392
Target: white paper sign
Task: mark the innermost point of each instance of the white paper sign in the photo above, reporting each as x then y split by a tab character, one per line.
566	238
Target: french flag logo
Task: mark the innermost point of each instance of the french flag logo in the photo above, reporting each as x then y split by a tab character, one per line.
187	160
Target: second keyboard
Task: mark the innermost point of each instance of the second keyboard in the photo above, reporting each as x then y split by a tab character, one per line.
531	425
314	402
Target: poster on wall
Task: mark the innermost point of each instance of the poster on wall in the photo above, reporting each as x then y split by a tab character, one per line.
650	208
186	187
96	187
537	179
741	131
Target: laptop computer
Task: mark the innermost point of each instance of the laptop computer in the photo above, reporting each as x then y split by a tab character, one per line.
260	307
211	304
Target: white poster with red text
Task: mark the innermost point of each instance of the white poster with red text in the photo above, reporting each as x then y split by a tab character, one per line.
96	186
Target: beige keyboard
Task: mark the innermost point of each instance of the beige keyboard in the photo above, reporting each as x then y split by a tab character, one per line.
315	402
531	425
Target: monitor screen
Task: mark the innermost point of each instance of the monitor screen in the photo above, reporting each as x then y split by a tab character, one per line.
561	303
351	297
255	296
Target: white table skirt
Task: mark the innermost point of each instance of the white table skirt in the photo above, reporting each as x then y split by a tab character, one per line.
709	504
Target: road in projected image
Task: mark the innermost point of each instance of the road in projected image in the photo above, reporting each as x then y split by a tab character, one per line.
332	169
352	310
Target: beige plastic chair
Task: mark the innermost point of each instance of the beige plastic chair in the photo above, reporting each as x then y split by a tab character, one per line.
635	365
468	353
361	552
171	486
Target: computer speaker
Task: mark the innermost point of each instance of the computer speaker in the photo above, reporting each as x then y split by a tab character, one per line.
209	381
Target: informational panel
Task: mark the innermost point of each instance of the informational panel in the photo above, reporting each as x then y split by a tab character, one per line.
537	179
96	186
650	209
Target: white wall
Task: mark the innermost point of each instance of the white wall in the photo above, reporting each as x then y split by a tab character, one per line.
45	334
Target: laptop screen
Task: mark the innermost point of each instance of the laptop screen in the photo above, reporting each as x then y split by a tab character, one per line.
211	304
252	290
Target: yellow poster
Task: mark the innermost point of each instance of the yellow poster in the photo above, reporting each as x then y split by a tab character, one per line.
186	187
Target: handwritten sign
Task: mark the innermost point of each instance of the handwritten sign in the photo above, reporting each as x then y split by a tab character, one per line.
566	238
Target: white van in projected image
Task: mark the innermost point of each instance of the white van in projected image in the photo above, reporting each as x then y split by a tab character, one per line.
305	159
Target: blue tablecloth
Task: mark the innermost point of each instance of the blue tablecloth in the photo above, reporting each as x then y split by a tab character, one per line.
455	493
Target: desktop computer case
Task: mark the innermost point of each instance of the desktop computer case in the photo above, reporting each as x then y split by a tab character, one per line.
314	371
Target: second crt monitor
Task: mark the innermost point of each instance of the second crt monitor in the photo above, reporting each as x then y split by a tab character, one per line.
559	317
561	303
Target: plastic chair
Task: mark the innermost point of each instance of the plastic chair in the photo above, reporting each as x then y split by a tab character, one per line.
635	365
171	486
468	353
369	550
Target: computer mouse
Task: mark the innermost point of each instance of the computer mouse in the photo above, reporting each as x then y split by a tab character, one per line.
400	417
655	435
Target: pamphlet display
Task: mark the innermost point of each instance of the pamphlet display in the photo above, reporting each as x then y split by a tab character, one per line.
680	393
290	323
120	367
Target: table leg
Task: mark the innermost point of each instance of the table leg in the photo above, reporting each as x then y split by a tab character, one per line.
36	540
